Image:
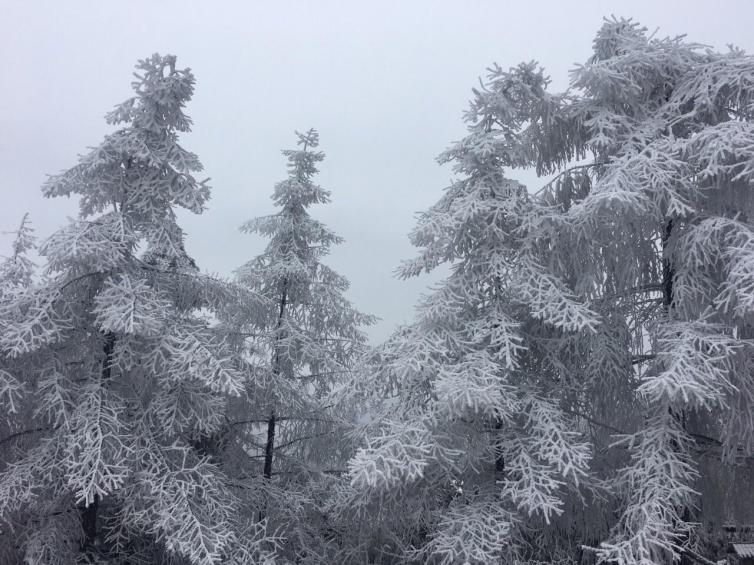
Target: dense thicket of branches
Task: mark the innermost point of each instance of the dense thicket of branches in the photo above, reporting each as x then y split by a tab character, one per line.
579	389
117	363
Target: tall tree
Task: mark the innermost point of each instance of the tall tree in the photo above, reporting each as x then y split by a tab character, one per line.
299	354
474	444
125	368
653	225
645	222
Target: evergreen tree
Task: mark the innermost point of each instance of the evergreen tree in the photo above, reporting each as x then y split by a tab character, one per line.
474	444
298	355
619	295
654	226
16	273
16	425
125	369
17	270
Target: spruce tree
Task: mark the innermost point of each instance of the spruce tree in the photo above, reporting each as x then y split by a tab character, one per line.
125	368
654	225
298	356
16	274
620	293
474	449
16	424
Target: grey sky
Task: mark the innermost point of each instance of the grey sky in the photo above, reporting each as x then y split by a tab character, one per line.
385	83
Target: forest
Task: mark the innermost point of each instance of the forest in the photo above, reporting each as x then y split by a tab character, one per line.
579	388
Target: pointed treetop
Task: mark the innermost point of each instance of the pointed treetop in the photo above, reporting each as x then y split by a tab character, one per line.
298	190
161	93
17	269
24	240
308	139
140	171
616	36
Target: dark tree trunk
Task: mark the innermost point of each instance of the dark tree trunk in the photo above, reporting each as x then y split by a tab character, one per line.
500	458
107	363
89	525
269	448
667	268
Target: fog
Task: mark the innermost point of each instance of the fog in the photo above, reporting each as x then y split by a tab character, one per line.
385	83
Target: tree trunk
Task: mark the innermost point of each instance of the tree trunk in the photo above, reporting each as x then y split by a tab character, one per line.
500	458
89	525
667	268
269	447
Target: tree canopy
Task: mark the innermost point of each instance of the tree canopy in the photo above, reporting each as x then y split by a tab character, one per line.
578	389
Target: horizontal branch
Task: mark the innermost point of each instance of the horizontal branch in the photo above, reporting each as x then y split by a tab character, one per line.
595	422
698	558
22	433
281	419
565	172
638	359
323	471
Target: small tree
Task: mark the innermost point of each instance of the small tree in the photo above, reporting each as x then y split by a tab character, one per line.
299	353
125	370
17	269
16	425
16	273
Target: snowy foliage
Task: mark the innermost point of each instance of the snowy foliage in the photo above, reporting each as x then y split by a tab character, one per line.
473	403
124	370
575	391
290	435
615	300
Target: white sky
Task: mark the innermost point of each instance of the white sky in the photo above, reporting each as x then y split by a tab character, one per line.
385	83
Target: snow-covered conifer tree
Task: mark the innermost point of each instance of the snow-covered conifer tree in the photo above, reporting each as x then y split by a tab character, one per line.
654	226
16	275
126	372
298	355
16	272
474	448
647	218
621	293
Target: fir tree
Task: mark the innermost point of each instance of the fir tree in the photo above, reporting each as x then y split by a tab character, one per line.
659	231
17	270
621	293
125	368
16	425
474	443
16	273
298	355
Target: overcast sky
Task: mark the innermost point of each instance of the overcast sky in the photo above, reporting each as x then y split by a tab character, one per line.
385	83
